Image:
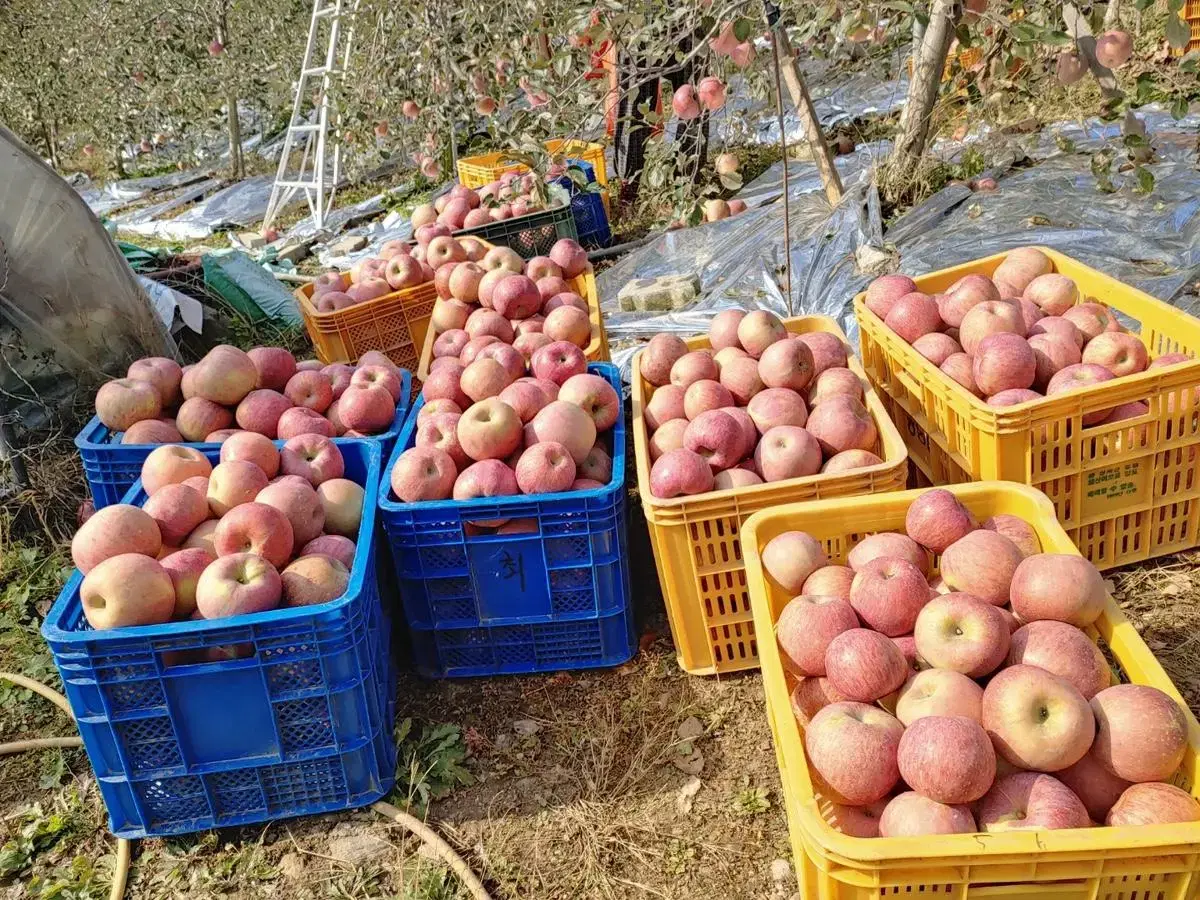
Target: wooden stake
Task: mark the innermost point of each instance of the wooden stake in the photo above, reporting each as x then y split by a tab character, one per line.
787	210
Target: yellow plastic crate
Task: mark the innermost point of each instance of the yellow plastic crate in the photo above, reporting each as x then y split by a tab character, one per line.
585	287
394	324
1191	15
1125	492
1158	862
696	542
484	168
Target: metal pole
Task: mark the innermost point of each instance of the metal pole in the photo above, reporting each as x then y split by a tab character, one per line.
787	210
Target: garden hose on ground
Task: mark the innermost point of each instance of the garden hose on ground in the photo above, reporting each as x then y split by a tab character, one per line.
121	868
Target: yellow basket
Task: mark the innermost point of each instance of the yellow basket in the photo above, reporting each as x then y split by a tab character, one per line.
584	286
483	169
394	324
1191	15
1155	862
1125	492
695	539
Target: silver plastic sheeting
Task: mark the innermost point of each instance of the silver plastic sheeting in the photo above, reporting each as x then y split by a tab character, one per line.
71	312
1150	241
338	219
237	206
146	219
393	227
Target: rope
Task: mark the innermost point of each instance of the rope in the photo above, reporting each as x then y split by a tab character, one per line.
121	867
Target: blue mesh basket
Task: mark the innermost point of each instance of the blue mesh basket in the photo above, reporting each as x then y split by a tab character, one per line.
591	218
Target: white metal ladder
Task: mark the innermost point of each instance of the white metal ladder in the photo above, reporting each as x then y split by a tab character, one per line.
317	180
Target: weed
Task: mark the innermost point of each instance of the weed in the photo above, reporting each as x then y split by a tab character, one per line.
430	882
752	801
430	766
38	832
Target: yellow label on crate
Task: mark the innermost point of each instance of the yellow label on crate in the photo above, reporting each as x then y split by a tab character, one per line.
1122	485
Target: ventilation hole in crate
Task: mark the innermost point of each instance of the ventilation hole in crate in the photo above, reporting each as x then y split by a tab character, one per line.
463	637
289	786
294	676
563	642
149	744
304	724
564	550
570	579
514	653
173	799
455	608
448	588
466	658
438	559
134	695
573	601
229	782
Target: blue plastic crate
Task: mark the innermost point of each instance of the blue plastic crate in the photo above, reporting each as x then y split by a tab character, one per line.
481	603
111	467
302	724
591	218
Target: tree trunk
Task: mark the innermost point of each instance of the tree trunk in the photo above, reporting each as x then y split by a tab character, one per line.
236	170
917	116
918	37
51	144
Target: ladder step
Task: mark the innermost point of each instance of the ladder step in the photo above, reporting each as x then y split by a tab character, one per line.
304	126
331	10
318	70
309	185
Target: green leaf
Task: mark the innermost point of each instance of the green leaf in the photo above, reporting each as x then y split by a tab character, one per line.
742	29
1024	33
1056	38
1179	107
1178	33
732	181
1145	180
1175	6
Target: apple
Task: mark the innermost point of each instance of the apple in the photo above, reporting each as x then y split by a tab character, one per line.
787	451
335	545
233	483
176	509
727	479
937	519
484	479
963	296
758	330
485	322
1016	530
450	343
1058	586
1063	650
852	748
441	431
887	544
1036	719
1141	732
126	590
959	368
569	324
665	404
1020	267
382	376
225	375
805	628
255	528
202	538
722	330
1092	319
571	257
545	468
962	633
948	759
152	431
865	665
484	378
740	376
254	448
237	585
1093	784
526	399
936	346
172	465
810	696
888	595
939	692
1169	359
302	420
1153	804
988	318
298	501
597	466
1025	801
164	374
914	315
516	297
791	558
1120	353
312	456
717	437
491	429
1058	327
121	403
842	423
835	382
342	500
557	362
184	568
981	563
828	350
828	581
774	407
1003	362
313	579
423	473
696	365
849	460
562	422
786	364
1113	49
884	291
1051	354
703	396
911	815
680	472
1053	293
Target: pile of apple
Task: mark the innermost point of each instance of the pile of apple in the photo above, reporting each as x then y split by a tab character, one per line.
264	528
972	703
502	299
264	391
488	429
762	405
1026	332
461	207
